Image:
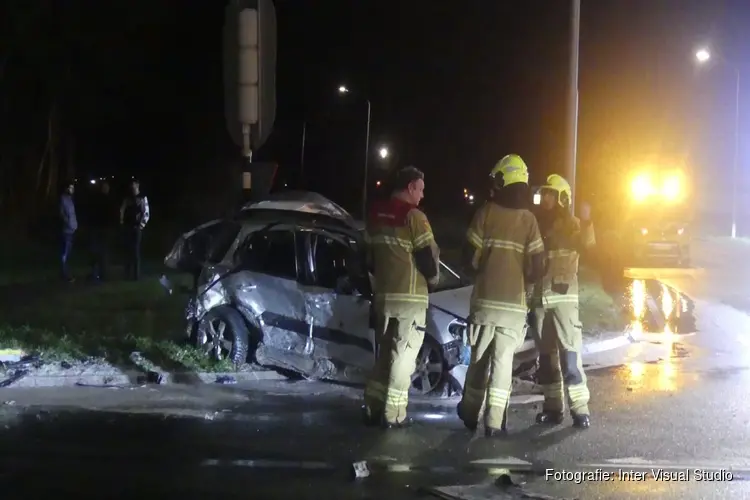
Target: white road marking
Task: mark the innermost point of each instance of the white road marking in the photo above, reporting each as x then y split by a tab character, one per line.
498	461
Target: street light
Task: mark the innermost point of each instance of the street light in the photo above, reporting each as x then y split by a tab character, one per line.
343	89
383	152
702	56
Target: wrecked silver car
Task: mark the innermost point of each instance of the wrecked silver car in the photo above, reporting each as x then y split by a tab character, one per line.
284	283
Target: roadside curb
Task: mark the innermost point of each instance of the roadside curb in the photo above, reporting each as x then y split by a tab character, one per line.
613	340
135	377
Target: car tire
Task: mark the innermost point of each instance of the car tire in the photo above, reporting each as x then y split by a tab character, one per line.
223	334
429	378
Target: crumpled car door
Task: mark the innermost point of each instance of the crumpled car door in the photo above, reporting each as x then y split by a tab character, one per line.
338	303
271	262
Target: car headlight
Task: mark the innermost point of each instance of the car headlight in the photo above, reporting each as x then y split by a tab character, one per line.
457	328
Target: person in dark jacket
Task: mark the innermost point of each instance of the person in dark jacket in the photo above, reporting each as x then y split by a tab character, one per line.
134	215
103	220
69	225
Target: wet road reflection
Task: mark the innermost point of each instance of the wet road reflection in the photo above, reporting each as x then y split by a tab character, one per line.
660	315
659	310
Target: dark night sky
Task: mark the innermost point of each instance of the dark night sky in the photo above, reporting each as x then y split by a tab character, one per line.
454	85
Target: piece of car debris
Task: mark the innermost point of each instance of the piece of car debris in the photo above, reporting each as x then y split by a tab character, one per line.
360	470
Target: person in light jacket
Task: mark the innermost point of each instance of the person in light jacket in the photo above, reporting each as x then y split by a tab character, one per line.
134	215
69	226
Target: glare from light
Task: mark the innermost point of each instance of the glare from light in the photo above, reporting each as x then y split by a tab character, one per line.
471	197
343	89
537	199
667	305
433	416
681	231
644	231
671	189
703	55
93	181
637	369
641	187
466	190
666	376
638	299
383	152
377	183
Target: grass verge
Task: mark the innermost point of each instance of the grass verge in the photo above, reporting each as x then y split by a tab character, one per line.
108	320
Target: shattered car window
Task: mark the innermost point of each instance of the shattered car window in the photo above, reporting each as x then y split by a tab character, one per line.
219	240
271	252
329	258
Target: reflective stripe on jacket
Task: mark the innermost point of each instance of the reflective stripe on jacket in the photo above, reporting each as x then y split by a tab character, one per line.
504	240
395	230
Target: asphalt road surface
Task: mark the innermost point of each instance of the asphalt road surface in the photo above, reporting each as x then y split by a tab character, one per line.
684	413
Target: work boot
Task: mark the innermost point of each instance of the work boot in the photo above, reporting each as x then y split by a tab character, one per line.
581	421
407	422
371	418
472	426
547	417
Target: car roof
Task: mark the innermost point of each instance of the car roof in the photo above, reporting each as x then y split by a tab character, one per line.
300	201
262	216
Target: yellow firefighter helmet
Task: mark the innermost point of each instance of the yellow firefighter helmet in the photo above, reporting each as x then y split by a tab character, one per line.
558	184
513	170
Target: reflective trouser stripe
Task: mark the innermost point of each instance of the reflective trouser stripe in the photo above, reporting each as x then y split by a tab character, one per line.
497	398
387	390
559	326
395	398
579	399
553	396
489	374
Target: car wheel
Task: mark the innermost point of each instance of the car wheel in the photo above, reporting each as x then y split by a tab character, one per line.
222	334
429	375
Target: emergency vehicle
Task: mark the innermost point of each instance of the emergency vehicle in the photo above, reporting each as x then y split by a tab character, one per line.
654	217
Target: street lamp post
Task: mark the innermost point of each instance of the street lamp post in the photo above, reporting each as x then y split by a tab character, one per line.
302	153
702	56
344	90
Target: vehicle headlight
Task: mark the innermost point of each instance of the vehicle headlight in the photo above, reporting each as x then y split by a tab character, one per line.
641	187
457	328
672	189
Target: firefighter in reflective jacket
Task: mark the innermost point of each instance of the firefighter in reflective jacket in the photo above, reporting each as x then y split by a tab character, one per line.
505	251
555	306
404	259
